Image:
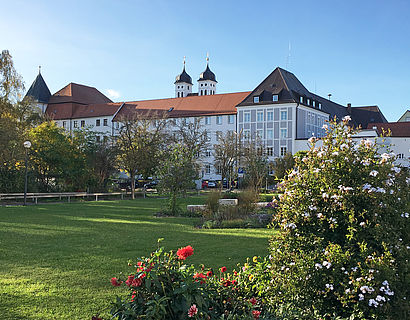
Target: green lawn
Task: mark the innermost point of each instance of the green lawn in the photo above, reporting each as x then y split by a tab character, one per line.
56	260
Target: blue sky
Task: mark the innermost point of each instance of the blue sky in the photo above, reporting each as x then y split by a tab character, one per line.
359	51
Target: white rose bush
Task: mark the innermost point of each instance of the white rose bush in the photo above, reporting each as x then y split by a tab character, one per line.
343	247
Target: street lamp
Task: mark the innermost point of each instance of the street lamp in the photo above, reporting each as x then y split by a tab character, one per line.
27	145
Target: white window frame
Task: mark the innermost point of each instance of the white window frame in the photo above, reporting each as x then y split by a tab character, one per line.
231	118
246	134
218	119
269	151
269	115
75	124
283	115
105	122
208	120
208	168
275	97
283	133
259	116
256	99
283	151
259	133
269	134
246	117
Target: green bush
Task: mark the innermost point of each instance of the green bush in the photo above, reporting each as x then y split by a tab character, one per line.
343	246
246	202
264	197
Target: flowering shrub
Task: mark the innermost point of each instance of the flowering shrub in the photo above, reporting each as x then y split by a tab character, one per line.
343	246
162	286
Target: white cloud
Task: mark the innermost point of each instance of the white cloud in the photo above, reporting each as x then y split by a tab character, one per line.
112	94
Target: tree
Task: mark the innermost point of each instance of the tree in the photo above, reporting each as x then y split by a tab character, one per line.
281	165
177	173
226	155
101	157
140	142
58	160
192	135
255	162
11	83
16	118
342	247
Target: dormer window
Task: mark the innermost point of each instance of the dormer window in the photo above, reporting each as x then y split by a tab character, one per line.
256	99
320	106
301	99
308	101
275	97
314	103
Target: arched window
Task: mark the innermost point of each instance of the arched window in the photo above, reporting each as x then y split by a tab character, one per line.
202	92
178	94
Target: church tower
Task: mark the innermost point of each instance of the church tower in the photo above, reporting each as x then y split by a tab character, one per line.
39	92
207	81
183	84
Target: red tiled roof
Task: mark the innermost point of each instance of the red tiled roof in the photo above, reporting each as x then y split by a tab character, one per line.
78	93
190	106
74	110
398	129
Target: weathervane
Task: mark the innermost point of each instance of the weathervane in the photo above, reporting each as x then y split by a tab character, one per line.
39	69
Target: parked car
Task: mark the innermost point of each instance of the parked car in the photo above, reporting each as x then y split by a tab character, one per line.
151	185
212	184
204	184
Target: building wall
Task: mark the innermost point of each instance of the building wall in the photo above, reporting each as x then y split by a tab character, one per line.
104	127
274	124
310	122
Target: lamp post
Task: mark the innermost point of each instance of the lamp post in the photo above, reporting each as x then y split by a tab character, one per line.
27	145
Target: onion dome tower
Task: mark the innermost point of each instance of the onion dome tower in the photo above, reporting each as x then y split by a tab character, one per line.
39	92
207	81
183	84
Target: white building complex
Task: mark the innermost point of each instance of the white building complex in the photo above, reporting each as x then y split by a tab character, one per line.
280	111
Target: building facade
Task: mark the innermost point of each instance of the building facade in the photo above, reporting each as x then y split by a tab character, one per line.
280	111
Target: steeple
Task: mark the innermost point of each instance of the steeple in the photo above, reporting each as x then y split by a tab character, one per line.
207	81
183	84
39	91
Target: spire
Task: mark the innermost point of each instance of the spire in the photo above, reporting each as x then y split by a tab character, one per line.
183	76
207	74
39	90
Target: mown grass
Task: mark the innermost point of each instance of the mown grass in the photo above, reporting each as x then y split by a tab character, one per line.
56	260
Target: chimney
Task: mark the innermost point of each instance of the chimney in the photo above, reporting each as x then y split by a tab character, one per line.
349	108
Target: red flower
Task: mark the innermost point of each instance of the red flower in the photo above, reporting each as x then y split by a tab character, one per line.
209	274
134	295
200	276
226	282
184	253
256	314
223	269
136	282
96	318
192	311
129	280
115	282
253	301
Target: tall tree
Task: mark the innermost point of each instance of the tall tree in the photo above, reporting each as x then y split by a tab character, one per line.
226	154
281	165
177	172
57	159
11	83
140	141
101	157
254	159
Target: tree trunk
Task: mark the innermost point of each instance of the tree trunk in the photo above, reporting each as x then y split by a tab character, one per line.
132	185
